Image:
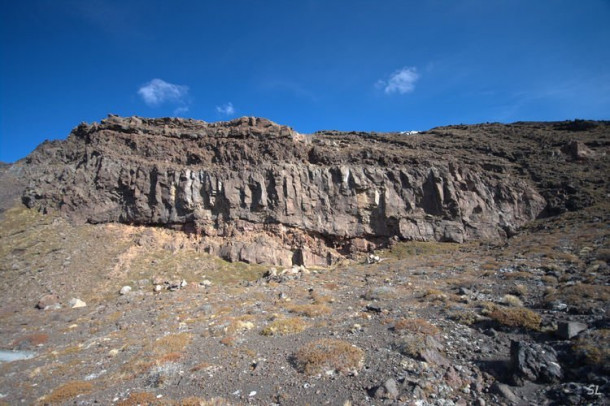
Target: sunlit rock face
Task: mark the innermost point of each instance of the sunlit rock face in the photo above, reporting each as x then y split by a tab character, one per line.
255	191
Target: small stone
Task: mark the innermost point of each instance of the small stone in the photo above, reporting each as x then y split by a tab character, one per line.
48	302
206	309
183	283
245	325
158	288
559	306
157	280
504	391
125	290
373	259
569	329
452	378
206	282
419	393
432	356
491	333
391	388
173	285
373	308
76	303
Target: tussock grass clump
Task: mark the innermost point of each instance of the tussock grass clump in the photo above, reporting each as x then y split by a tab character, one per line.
137	366
308	310
33	340
67	391
138	398
549	280
575	293
519	290
172	343
582	296
594	349
603	254
522	275
240	324
170	357
380	293
437	295
511	300
516	317
229	341
415	325
328	355
320	298
465	317
282	327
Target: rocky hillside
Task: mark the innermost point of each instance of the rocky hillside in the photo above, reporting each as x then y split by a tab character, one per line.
100	308
255	191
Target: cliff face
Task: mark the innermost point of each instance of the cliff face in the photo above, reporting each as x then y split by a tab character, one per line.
255	191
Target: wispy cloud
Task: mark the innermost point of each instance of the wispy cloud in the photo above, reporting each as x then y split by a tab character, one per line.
226	109
157	92
401	81
178	111
289	86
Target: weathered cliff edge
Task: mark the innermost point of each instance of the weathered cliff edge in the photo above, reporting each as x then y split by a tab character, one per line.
256	191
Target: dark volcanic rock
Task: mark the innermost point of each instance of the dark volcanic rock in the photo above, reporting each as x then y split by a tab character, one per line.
534	362
261	192
570	329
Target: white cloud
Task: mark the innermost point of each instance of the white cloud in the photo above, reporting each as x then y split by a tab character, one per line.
402	81
178	111
226	109
158	91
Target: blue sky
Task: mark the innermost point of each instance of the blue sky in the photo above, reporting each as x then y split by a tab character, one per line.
378	65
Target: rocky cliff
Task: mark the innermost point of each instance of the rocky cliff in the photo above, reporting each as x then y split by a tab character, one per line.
256	191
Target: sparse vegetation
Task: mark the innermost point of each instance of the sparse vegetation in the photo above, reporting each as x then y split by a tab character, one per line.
336	356
380	293
466	317
280	327
511	300
68	391
519	290
594	349
408	249
520	317
415	325
172	343
139	399
32	340
308	310
581	296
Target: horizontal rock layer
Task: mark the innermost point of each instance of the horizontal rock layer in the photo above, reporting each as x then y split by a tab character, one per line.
256	191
